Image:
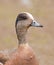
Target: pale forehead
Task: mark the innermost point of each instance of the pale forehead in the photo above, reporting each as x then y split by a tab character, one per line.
29	15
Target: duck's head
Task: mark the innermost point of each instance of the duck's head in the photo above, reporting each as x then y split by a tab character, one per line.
23	22
26	20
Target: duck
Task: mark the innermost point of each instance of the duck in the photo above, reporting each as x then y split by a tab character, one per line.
24	54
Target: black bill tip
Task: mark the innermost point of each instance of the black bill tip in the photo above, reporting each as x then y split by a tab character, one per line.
41	25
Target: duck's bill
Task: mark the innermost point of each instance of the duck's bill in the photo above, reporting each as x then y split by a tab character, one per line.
36	24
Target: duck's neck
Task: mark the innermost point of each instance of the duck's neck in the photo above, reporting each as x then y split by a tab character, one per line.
21	35
22	39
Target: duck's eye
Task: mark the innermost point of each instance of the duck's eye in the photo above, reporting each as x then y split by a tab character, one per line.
34	22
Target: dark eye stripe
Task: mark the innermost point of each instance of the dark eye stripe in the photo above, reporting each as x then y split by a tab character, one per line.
20	17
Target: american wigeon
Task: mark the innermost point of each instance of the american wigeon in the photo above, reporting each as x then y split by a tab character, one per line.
24	55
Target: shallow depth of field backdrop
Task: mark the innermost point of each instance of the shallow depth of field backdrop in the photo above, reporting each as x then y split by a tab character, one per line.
41	39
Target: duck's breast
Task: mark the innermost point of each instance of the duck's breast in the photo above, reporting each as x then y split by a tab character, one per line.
23	56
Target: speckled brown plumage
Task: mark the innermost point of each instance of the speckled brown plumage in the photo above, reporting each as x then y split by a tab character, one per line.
24	55
5	55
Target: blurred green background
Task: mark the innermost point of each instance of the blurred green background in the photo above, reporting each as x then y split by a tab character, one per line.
41	39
